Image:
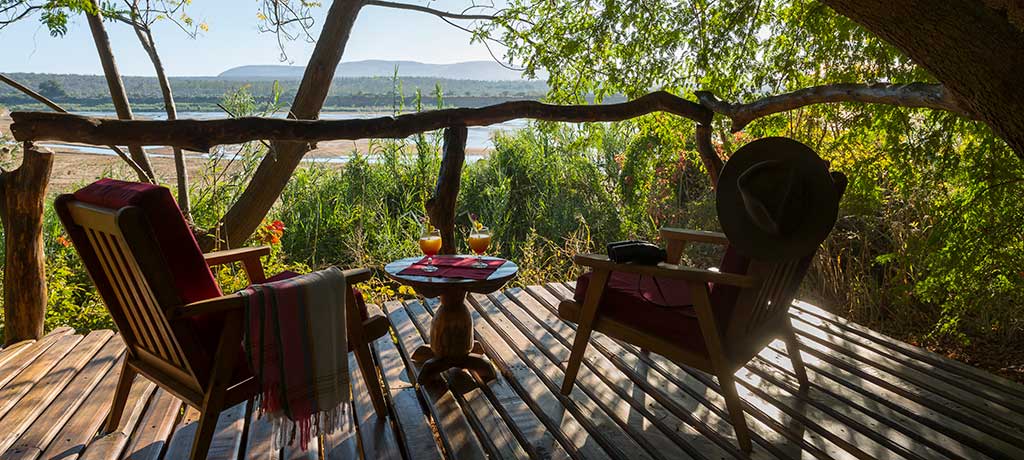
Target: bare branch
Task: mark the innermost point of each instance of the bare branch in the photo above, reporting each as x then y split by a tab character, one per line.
426	9
200	135
915	95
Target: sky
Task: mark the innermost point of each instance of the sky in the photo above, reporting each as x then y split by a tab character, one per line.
234	40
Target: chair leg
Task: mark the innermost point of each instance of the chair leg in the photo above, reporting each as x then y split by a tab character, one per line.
579	347
216	389
369	370
124	386
793	350
735	407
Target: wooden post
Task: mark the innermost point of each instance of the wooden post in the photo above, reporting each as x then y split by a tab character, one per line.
22	193
441	206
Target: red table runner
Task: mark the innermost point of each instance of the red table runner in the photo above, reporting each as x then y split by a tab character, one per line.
454	267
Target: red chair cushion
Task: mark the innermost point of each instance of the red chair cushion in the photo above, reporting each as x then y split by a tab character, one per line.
662	306
192	277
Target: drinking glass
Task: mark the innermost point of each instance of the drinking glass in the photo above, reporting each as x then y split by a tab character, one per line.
479	240
430	244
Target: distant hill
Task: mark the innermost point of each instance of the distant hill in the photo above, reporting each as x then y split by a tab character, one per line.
472	70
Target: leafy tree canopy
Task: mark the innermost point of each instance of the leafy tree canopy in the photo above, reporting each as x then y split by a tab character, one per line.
738	49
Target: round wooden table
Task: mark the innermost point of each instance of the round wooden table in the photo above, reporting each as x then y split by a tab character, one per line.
451	331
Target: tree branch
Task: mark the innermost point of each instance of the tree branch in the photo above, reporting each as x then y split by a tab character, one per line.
916	95
200	135
426	9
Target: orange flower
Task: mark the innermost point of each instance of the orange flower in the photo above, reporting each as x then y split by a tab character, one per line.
63	241
271	233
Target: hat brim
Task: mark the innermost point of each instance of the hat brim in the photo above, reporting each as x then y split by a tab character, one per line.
820	211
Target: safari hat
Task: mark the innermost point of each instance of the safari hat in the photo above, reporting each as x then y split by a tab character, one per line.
776	199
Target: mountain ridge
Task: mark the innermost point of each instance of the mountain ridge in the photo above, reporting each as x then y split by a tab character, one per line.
468	70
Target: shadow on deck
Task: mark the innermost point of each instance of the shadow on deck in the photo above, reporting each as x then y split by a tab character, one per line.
871	397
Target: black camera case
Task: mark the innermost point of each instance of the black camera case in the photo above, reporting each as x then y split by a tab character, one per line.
637	252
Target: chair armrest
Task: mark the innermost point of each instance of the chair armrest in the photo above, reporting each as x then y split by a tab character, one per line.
250	258
357	275
664	270
695	236
215	305
677	238
228	256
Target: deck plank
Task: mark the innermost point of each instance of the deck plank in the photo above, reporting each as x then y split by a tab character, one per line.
887	423
377	438
562	426
702	430
343	443
154	429
954	381
20	386
180	444
949	405
458	438
770	428
36	400
912	352
893	398
516	415
685	396
598	420
227	437
110	446
39	435
415	428
81	428
965	400
621	403
489	427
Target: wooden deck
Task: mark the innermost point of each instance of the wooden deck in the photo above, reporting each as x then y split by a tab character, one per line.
871	397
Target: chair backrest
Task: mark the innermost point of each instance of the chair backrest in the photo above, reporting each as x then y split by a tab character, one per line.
143	271
755	317
755	314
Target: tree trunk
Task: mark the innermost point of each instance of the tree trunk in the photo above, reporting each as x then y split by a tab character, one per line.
118	95
972	48
441	206
708	155
274	171
181	174
22	194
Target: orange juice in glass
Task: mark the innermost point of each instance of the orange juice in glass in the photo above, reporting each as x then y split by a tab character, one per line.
479	240
430	244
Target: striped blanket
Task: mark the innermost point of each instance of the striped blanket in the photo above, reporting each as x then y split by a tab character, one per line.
296	344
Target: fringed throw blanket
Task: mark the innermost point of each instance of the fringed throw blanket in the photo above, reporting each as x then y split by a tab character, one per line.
296	345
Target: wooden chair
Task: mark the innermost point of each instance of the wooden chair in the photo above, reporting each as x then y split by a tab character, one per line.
692	330
714	321
181	332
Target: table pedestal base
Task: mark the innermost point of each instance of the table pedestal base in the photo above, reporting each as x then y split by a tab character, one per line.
433	366
451	341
